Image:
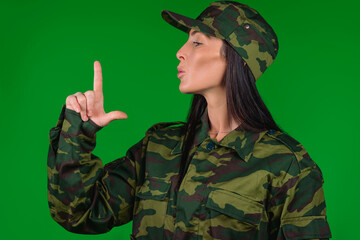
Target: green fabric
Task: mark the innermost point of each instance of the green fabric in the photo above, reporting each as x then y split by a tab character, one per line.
249	185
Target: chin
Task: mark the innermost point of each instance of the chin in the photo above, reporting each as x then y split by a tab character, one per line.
186	87
185	90
188	90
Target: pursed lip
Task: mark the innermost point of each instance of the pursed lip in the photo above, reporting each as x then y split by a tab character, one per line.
180	69
180	74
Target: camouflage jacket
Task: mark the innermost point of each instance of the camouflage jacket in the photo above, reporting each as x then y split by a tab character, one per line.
246	186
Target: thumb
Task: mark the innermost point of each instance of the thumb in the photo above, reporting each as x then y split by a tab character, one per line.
114	115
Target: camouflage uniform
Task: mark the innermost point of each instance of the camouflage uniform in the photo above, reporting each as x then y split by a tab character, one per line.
247	186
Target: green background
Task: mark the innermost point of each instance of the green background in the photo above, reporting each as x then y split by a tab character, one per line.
47	51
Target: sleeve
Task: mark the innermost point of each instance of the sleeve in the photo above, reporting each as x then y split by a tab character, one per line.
297	207
83	195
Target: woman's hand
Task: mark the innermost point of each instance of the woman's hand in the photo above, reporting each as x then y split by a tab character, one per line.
91	103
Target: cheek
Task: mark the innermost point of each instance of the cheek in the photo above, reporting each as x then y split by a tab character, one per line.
208	69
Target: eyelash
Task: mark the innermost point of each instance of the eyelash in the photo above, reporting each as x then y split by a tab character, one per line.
197	43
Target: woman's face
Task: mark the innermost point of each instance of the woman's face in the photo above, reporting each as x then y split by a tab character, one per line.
202	63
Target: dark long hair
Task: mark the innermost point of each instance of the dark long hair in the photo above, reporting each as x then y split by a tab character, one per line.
244	103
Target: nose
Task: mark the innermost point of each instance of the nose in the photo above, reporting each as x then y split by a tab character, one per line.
180	53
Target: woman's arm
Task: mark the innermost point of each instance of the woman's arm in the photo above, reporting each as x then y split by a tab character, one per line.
84	196
297	207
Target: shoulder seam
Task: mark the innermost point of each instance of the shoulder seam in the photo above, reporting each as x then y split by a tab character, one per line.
278	137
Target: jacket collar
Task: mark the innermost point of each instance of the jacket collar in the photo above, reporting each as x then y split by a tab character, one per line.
242	141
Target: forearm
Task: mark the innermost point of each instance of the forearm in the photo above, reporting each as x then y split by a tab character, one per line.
73	172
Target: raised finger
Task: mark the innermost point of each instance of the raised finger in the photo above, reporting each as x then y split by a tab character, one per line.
90	100
82	101
97	78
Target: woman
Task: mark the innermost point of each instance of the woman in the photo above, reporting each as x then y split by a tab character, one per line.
229	172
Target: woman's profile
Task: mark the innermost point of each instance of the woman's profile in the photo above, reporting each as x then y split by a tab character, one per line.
229	172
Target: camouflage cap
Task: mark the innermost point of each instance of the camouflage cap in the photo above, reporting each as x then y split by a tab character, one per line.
241	26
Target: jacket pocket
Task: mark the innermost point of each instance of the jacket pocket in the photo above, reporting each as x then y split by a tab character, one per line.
150	208
231	214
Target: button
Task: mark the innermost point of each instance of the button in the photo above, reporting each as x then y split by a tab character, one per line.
271	131
246	26
210	146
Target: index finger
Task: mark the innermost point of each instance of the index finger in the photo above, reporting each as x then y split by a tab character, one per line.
97	77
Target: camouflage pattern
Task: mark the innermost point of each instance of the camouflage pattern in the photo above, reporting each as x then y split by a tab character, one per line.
240	25
248	185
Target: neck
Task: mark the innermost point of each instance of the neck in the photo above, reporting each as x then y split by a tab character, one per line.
218	113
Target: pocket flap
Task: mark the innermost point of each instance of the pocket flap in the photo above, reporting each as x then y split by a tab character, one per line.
153	188
308	227
235	205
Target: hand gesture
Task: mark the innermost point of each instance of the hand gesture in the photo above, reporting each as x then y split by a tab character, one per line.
91	103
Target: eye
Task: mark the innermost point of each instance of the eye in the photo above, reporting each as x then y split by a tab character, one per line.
197	43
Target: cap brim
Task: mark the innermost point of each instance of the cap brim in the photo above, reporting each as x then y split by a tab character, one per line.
185	23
